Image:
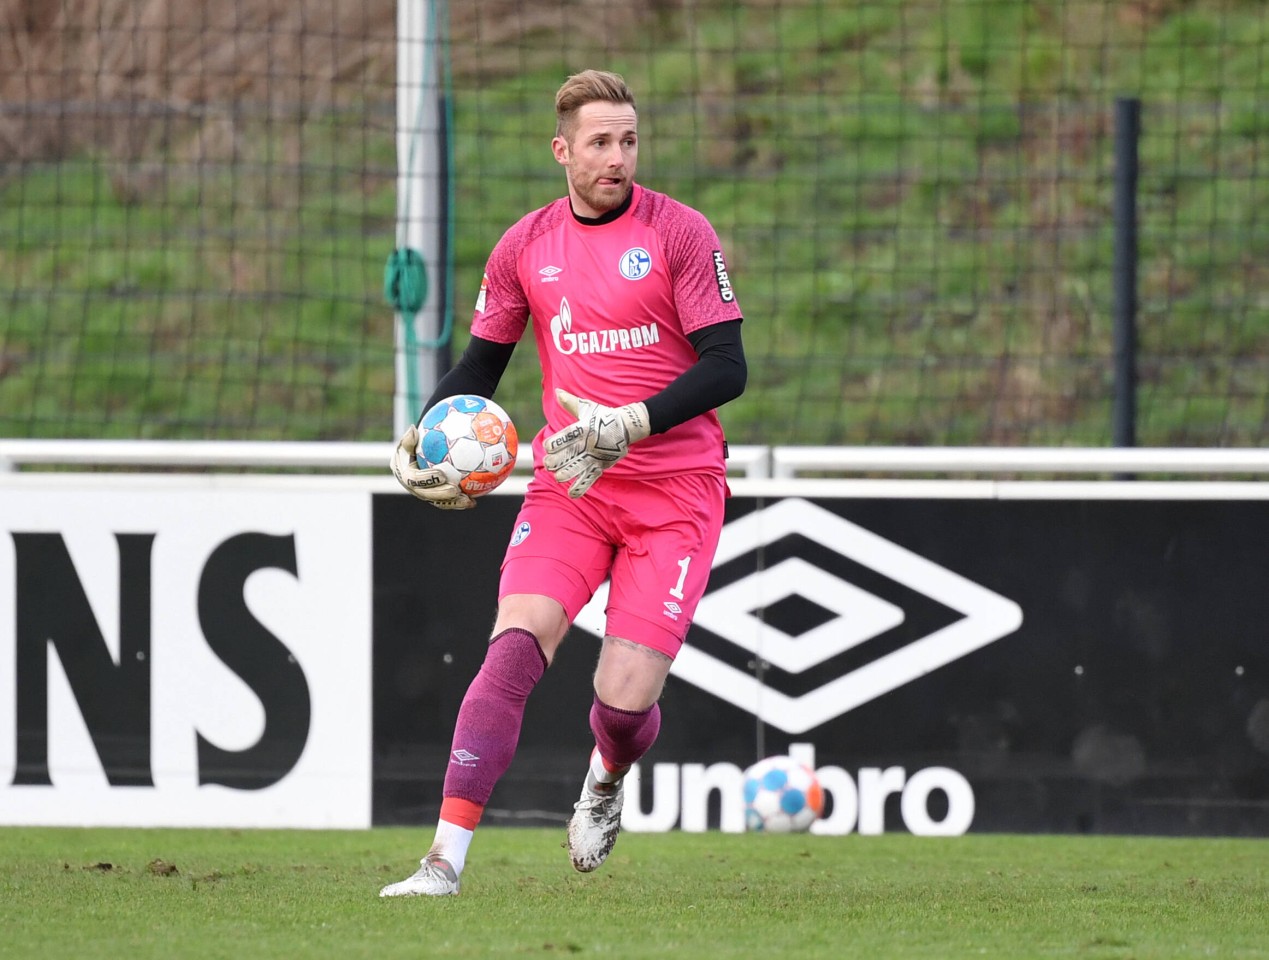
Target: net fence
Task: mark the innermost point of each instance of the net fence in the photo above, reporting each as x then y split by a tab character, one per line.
197	201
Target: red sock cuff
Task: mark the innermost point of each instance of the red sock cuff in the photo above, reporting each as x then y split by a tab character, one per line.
610	766
461	813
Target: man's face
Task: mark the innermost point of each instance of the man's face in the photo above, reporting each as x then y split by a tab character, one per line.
600	159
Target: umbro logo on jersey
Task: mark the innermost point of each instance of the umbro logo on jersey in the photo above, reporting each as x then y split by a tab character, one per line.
550	274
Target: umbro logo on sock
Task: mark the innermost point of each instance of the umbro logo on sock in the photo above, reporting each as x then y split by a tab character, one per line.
464	758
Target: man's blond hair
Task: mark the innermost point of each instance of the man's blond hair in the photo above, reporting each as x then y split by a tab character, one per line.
589	86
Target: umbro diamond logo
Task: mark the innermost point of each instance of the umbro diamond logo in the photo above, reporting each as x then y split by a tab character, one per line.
464	758
858	616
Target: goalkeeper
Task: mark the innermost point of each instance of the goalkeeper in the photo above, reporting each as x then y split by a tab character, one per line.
638	335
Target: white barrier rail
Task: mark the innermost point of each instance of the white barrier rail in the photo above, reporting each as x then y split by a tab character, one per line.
787	462
194	453
755	470
750	461
754	462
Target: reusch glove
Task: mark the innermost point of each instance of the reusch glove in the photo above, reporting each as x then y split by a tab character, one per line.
600	437
428	484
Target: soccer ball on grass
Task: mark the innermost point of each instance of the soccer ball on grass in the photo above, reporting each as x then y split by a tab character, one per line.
471	440
781	796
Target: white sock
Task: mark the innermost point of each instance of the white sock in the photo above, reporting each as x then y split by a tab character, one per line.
451	844
600	772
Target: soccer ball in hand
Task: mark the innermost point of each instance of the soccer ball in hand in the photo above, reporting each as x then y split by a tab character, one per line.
471	440
781	796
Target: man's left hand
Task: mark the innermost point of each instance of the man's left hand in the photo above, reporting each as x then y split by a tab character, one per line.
600	437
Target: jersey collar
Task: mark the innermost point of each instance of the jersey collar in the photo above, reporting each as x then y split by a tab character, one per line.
611	215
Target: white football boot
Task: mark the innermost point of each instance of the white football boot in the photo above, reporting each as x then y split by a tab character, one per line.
434	878
596	820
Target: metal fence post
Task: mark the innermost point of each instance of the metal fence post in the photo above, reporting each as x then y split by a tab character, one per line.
1127	132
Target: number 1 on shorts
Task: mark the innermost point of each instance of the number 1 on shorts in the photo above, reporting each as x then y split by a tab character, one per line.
677	590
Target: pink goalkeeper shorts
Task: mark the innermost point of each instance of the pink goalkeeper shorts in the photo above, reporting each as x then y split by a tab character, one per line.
653	539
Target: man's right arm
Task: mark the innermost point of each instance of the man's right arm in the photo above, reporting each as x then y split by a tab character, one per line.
478	371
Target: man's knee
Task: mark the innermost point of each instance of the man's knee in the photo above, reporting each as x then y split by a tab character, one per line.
539	615
630	676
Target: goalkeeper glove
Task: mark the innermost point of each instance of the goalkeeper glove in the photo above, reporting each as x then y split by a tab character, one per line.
600	437
430	484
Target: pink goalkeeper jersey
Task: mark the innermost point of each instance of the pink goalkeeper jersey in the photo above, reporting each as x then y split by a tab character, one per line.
611	306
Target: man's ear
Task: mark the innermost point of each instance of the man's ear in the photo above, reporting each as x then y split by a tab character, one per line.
559	147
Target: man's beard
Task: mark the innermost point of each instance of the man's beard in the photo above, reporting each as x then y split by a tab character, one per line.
601	199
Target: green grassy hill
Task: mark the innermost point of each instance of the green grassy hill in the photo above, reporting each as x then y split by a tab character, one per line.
915	199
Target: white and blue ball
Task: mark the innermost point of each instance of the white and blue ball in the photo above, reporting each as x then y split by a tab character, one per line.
781	796
471	440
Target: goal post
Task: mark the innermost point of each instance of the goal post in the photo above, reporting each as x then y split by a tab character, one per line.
417	277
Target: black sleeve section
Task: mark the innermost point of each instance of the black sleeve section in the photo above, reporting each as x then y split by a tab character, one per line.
718	375
477	372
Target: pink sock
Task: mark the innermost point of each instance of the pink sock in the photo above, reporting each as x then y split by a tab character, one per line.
623	736
488	727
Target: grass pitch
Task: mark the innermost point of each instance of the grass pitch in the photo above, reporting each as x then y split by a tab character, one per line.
86	893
